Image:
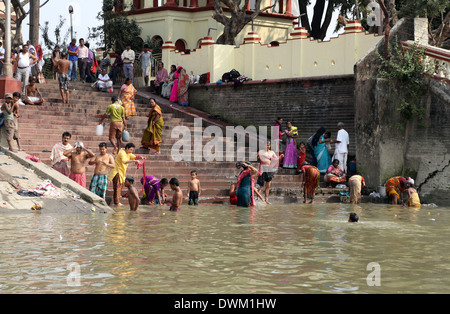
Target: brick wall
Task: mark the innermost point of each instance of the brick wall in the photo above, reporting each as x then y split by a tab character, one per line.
308	103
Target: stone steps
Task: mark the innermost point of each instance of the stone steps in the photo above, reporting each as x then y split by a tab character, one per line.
42	126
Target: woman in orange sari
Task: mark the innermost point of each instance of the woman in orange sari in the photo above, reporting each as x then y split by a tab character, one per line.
126	95
152	137
311	180
395	187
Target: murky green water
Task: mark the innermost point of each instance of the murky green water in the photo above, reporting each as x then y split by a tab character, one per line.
223	249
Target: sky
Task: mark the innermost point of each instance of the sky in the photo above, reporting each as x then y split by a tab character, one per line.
85	15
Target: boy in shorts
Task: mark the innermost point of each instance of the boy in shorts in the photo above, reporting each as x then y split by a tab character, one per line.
194	188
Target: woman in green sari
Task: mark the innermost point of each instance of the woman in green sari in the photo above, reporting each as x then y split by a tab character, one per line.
152	137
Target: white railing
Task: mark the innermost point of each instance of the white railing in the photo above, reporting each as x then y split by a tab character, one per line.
438	59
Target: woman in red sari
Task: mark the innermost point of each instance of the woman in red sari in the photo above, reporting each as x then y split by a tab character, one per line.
311	180
183	85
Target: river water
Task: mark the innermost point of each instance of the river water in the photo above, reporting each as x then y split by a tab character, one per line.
290	248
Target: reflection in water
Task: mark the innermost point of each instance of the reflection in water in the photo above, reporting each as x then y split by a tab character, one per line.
292	248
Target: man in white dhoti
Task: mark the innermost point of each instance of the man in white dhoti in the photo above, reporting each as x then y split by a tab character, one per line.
341	147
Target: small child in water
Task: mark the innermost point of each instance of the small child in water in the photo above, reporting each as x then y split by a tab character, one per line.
194	188
177	197
133	195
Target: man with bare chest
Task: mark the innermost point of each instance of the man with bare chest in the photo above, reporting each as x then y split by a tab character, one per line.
63	66
103	165
32	94
78	156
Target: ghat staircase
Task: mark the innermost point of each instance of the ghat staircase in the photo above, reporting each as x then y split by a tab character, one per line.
42	126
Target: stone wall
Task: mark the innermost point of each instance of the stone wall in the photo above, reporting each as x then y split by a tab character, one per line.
308	103
421	149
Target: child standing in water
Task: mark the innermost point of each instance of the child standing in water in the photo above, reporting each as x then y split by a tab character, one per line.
133	195
413	196
177	197
194	188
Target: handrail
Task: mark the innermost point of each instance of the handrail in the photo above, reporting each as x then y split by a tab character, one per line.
438	58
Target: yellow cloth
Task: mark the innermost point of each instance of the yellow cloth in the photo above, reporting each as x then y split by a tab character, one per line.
121	165
414	201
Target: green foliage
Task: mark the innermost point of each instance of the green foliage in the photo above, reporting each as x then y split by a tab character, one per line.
117	30
61	41
408	71
420	8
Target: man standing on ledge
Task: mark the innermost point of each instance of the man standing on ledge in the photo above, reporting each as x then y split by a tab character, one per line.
128	57
57	158
341	148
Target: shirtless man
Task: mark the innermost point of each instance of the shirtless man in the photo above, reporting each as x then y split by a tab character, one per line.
269	161
103	165
78	162
133	195
63	66
32	94
177	197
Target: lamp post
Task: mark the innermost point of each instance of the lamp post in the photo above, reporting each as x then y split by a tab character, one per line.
71	26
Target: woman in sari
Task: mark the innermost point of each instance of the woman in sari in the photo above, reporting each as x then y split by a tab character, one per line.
321	152
183	86
152	137
174	92
245	185
168	83
395	187
154	189
312	142
311	180
290	153
126	95
334	174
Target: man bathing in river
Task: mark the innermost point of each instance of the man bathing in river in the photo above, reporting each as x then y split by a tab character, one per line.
78	160
103	165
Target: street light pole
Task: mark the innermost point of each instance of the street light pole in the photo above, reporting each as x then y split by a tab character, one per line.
71	26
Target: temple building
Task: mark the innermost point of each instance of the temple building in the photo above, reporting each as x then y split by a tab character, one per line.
186	22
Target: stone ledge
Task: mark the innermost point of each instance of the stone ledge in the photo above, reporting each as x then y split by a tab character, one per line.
59	180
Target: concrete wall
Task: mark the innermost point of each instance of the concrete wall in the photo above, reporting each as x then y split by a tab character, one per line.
308	103
421	149
296	56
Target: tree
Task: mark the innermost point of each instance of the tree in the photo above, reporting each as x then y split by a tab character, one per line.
117	30
59	40
239	18
20	15
438	14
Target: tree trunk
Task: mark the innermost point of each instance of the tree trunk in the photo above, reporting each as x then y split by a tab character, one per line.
34	21
304	14
317	19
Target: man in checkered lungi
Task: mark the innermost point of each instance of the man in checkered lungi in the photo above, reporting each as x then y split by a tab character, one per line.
103	164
